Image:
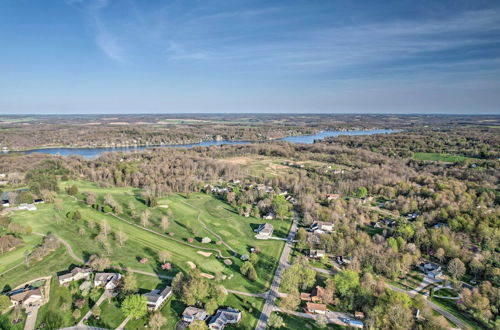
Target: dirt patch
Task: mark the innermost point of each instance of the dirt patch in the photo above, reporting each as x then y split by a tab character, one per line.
209	276
163	206
191	264
205	254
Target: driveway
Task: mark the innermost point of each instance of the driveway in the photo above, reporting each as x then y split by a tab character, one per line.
31	319
270	303
101	299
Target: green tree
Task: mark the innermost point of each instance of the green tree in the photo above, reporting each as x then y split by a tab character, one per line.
275	321
198	325
134	306
345	281
248	270
362	192
73	190
280	206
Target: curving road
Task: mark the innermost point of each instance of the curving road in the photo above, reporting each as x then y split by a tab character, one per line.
273	293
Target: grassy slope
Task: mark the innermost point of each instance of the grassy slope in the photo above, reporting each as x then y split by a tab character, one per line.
451	307
219	216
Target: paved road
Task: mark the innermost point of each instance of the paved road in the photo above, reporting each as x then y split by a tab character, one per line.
283	263
435	307
432	305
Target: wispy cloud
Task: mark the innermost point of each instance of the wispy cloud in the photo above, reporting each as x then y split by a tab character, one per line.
107	41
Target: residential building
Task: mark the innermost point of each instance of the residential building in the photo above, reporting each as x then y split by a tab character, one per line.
330	197
156	298
314	308
321	227
109	280
270	216
316	254
264	231
431	269
315	296
25	297
191	314
75	274
224	317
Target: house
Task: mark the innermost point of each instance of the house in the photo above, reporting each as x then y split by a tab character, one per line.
431	269
343	261
320	227
331	197
75	274
264	231
5	203
440	225
375	225
359	315
25	297
291	200
315	296
390	222
28	207
412	216
224	317
270	216
316	254
109	280
191	314
156	298
314	308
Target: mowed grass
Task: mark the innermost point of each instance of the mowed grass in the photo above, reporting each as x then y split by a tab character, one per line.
438	157
220	217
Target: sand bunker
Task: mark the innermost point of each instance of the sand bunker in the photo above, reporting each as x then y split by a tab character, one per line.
209	276
205	254
191	264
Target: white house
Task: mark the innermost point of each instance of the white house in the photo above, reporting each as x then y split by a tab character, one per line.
25	297
264	231
75	274
109	280
191	314
156	298
270	216
320	227
224	317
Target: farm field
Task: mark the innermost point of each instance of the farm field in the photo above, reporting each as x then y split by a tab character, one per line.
196	216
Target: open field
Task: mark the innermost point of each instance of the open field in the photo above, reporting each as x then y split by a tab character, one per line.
438	157
188	218
259	166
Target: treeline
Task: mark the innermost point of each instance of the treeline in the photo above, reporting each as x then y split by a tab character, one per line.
477	142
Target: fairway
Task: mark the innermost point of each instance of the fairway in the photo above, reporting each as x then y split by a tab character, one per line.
437	157
198	216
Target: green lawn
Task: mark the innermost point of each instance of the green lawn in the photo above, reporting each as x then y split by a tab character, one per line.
434	156
446	293
62	303
188	215
300	323
451	307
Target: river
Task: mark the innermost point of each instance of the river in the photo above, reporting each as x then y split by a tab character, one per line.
96	152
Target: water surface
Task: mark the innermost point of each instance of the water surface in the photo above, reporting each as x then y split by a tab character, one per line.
96	152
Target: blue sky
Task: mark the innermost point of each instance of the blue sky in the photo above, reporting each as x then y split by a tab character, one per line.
130	56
